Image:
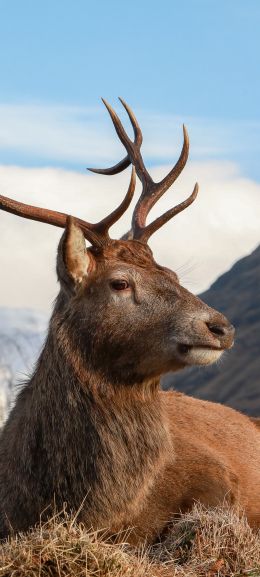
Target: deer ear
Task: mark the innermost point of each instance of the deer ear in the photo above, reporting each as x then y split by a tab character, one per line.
74	260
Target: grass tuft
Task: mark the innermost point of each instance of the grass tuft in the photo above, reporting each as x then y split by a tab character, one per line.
211	542
202	543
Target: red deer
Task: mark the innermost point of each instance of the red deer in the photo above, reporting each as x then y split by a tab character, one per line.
91	427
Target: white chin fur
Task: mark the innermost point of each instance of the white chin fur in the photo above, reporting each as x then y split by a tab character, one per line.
201	356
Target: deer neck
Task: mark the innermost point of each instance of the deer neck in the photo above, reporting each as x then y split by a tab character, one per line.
105	443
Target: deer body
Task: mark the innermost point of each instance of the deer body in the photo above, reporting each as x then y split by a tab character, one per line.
129	458
208	466
92	428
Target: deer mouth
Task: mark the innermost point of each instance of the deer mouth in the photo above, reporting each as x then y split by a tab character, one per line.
184	349
199	354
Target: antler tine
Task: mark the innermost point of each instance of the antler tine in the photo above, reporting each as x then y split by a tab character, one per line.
152	191
145	233
104	225
168	180
135	125
133	148
95	233
120	166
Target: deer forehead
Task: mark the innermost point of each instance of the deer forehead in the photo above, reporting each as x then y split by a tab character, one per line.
130	257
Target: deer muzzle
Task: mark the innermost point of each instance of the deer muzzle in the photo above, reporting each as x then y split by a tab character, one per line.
212	334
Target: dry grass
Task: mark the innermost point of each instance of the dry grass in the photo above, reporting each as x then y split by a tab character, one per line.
203	543
62	547
209	543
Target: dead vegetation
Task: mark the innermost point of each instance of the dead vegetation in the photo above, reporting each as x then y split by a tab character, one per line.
203	543
209	543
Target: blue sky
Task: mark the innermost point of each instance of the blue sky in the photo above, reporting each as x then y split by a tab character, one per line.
195	59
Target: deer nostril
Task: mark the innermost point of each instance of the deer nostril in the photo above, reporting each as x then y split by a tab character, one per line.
220	330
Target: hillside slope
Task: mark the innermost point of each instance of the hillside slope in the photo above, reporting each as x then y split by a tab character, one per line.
235	381
22	333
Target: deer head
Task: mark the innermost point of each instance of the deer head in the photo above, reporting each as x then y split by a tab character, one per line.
120	313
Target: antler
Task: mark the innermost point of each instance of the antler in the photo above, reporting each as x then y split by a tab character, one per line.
151	191
96	233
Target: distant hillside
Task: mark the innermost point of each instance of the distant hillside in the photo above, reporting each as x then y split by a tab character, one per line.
21	336
235	381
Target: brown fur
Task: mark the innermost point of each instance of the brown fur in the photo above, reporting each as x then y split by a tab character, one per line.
256	421
91	428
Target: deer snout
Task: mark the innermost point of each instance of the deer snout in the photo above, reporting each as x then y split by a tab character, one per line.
222	330
212	334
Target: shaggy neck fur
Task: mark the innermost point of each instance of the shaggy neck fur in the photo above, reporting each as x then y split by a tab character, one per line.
79	439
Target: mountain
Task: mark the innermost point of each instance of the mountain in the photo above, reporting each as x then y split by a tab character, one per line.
235	381
22	333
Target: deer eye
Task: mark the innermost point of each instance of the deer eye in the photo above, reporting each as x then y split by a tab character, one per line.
119	285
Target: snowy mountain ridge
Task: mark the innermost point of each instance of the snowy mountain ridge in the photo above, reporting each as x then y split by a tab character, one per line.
22	333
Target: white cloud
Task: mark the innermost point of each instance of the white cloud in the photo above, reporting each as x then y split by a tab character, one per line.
202	242
63	133
84	136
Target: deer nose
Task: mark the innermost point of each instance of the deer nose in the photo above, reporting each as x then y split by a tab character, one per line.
224	331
